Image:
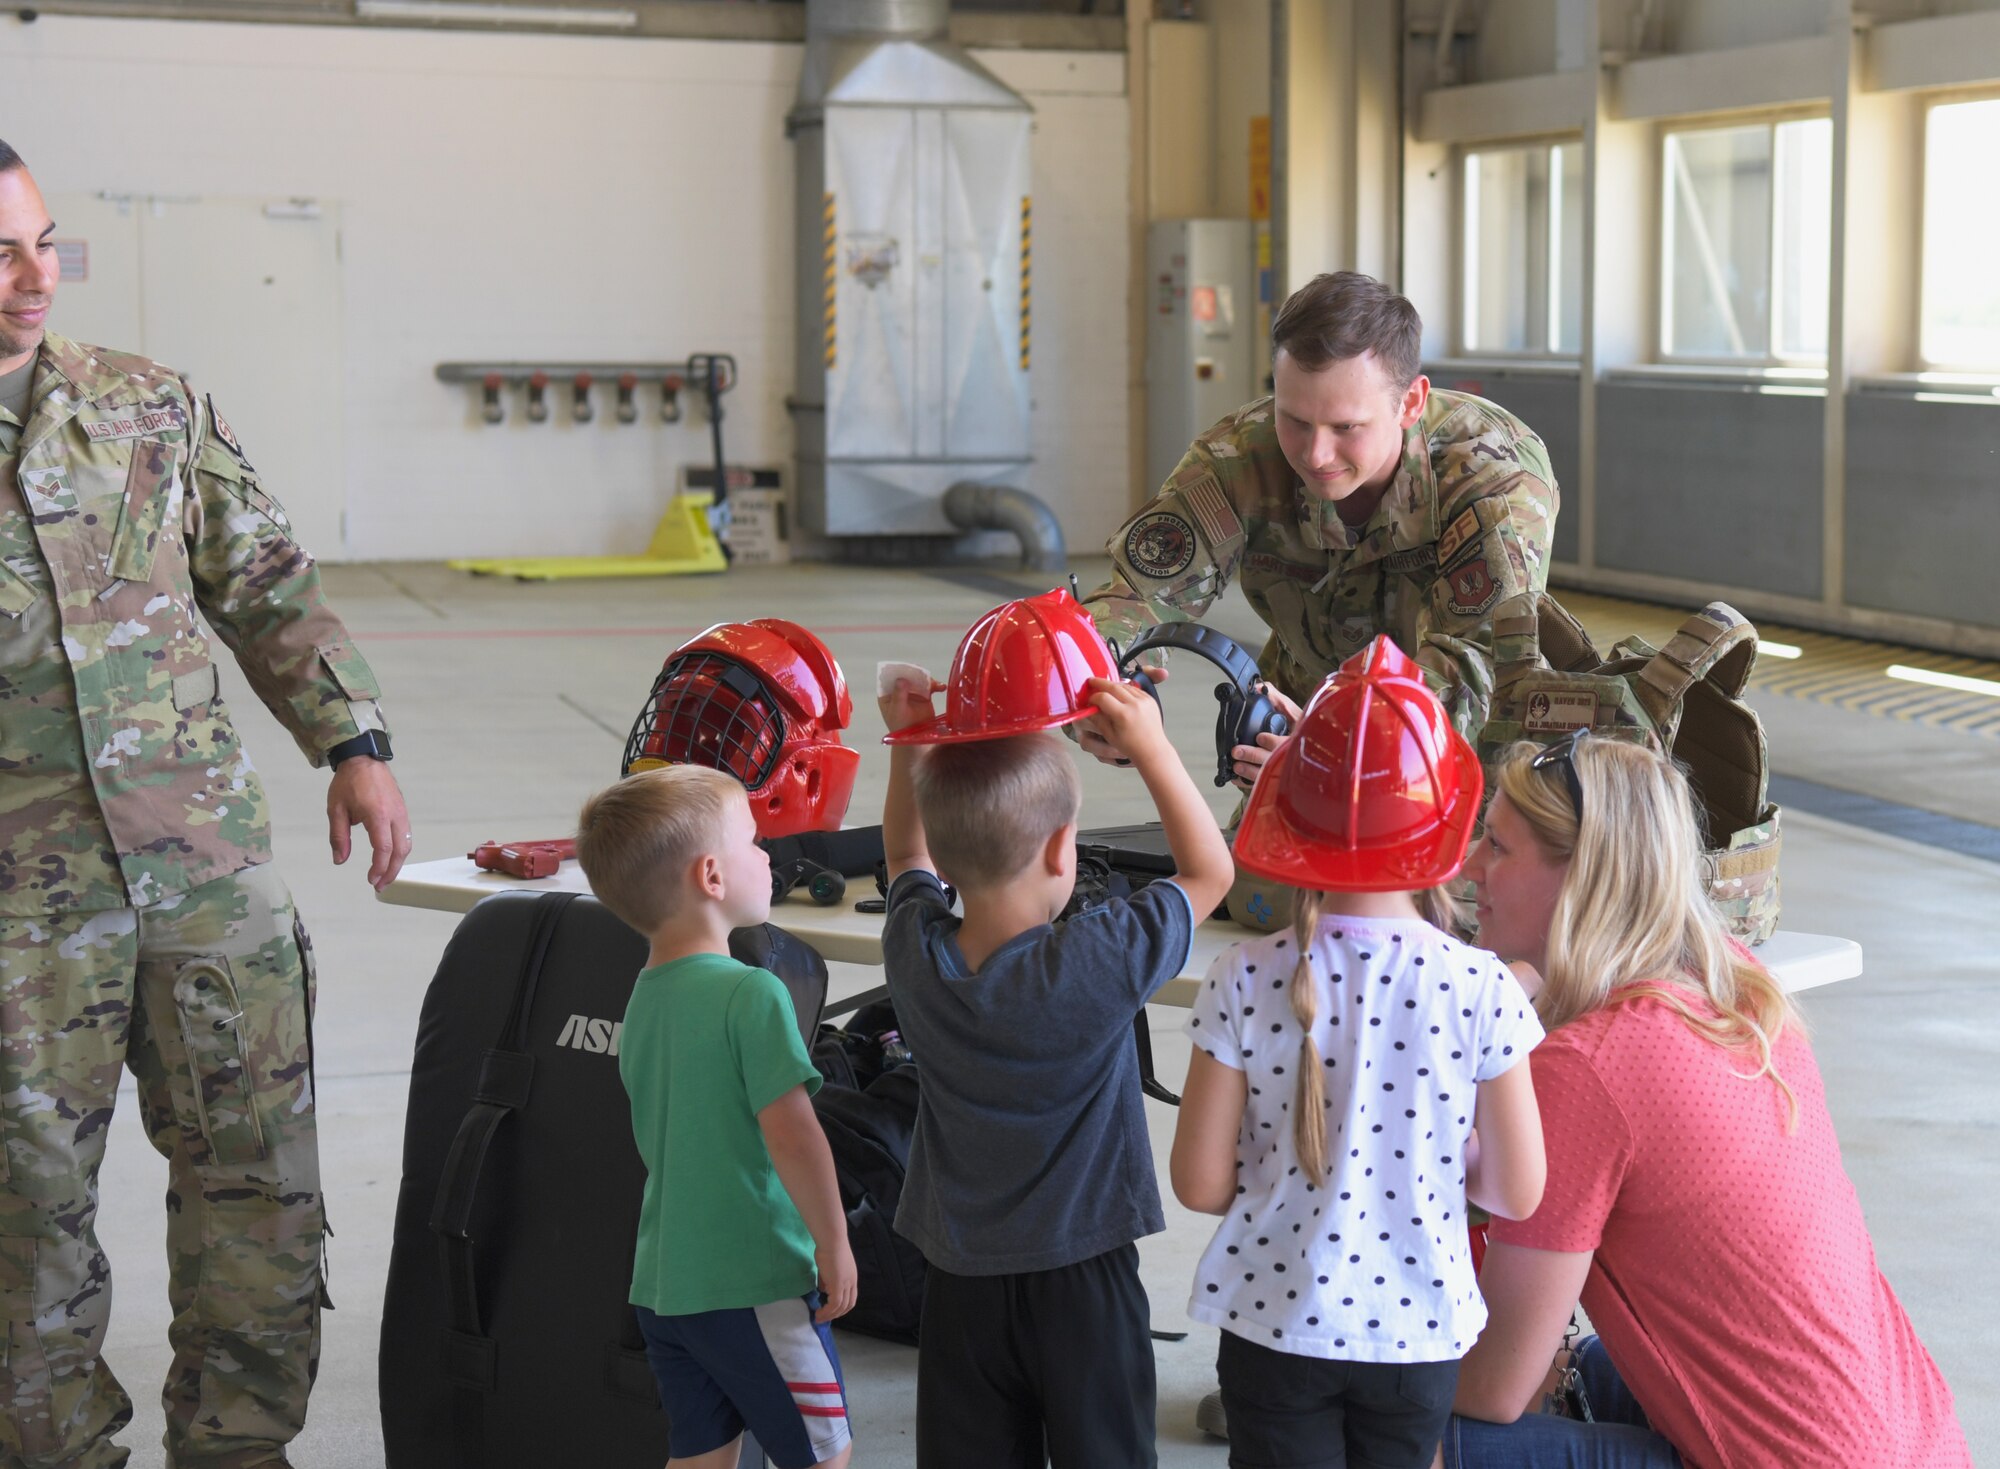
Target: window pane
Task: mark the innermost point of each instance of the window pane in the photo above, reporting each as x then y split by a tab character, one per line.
1961	313
1804	221
1566	250
1506	245
1717	218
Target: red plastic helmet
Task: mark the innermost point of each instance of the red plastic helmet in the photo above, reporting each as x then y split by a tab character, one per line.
1022	668
765	702
1375	793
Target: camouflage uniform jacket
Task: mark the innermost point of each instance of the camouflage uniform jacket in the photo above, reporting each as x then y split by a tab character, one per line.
126	505
1449	564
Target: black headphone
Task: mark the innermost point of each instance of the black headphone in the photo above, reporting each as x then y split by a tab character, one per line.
1247	710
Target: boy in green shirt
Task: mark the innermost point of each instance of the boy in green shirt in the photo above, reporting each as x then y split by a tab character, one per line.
742	1256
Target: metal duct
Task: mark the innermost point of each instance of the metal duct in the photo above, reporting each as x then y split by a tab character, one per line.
914	227
1003	507
922	20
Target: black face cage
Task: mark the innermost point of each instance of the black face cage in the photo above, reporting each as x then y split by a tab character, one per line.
706	709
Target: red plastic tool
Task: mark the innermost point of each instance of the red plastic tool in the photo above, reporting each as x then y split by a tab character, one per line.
523	859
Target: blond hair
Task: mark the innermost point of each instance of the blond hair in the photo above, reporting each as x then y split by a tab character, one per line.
988	806
635	840
1633	915
1440	908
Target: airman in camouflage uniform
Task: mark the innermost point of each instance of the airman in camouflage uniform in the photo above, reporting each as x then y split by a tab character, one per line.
1351	503
1449	564
141	921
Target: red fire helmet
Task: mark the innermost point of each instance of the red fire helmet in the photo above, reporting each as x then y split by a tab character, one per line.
766	702
1375	793
1022	668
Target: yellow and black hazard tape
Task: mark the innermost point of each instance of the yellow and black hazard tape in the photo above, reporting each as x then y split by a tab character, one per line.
830	282
1027	256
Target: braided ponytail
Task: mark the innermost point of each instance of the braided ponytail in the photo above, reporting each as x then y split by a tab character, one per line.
1309	1099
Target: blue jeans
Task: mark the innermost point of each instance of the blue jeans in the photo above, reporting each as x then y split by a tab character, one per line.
1619	1439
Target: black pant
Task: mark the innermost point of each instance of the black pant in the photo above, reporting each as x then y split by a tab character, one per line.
1046	1367
1290	1412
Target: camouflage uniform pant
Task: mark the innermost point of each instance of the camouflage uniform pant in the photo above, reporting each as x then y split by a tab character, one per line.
209	1000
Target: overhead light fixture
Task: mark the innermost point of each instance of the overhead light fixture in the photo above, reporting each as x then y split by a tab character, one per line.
1945	680
1768	649
591	17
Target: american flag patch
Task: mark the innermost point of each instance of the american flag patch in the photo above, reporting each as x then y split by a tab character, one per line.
1212	511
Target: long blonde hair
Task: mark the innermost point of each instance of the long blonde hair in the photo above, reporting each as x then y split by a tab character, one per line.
1633	915
1441	909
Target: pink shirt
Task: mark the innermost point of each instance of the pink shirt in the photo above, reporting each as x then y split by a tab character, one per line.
1734	1283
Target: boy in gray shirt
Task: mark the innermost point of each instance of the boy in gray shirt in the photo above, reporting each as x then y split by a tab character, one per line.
1030	1172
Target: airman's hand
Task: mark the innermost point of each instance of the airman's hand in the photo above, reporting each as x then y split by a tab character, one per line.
365	794
1249	759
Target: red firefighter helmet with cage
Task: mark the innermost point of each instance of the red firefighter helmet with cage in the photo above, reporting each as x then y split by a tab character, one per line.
1022	668
765	702
1375	793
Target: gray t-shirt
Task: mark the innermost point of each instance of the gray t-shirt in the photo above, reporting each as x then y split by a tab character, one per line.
15	388
1031	1150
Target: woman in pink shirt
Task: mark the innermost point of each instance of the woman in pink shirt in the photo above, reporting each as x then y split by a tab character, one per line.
1696	1202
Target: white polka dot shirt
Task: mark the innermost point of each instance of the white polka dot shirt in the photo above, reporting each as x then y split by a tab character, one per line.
1371	1265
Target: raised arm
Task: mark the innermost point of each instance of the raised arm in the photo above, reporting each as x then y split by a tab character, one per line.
904	847
1202	865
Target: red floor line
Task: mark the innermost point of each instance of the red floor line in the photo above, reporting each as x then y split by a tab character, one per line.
453	634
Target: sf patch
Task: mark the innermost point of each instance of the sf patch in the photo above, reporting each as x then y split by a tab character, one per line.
1472	587
1160	545
226	436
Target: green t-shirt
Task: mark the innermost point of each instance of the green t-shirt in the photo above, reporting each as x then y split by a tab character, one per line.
709	1043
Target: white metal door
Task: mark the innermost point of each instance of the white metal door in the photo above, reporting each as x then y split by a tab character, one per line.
244	297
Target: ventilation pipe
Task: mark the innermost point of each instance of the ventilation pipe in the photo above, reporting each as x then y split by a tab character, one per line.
1003	507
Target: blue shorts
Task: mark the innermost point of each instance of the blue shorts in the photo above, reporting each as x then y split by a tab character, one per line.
770	1369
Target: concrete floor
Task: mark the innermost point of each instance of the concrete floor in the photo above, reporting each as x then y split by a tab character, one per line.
511	702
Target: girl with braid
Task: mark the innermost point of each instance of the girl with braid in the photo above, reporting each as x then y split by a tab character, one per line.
1355	1082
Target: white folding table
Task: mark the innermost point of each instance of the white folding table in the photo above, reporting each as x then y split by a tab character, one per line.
1801	961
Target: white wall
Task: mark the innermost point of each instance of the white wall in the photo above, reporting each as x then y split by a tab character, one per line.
524	197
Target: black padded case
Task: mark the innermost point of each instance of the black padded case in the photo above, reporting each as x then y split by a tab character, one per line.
506	1337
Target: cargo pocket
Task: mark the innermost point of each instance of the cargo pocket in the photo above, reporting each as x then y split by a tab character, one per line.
16	594
148	488
350	671
27	1428
309	967
218	1062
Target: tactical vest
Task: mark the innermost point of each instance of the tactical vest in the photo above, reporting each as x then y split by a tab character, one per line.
1685	699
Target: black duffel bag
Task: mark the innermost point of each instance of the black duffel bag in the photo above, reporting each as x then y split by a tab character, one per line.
868	1111
507	1339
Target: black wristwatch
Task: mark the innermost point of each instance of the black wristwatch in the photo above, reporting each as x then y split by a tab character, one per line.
369	742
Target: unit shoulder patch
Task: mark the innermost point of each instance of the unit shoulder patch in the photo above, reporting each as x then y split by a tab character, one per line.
1472	587
1160	545
226	436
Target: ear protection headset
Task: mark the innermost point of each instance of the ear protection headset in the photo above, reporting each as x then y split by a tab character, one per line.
1246	711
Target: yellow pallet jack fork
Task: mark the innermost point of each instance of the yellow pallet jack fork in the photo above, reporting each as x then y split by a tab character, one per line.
684	543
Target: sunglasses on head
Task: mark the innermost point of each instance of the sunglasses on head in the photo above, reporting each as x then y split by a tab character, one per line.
1563	753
